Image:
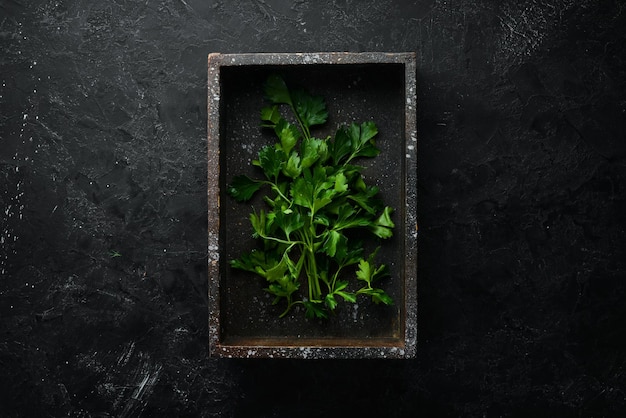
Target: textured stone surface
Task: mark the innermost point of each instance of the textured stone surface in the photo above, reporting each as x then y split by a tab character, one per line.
522	208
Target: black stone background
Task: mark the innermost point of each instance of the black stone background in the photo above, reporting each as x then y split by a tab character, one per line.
522	209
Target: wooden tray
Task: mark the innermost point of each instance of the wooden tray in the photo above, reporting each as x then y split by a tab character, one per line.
356	87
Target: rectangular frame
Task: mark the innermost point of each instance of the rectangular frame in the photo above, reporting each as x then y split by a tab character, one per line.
228	75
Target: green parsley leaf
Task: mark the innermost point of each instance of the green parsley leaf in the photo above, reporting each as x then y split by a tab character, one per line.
380	272
271	116
366	199
364	272
311	110
382	226
314	309
341	146
351	253
243	188
271	161
289	221
378	296
276	90
278	271
341	183
362	139
293	168
302	192
330	301
309	149
288	135
249	261
258	223
347	296
284	288
330	244
339	290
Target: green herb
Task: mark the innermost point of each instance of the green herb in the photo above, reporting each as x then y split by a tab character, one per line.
317	202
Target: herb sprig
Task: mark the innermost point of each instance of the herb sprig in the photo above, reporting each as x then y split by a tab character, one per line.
316	198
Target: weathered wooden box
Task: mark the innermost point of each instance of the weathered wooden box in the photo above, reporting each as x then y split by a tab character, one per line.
357	87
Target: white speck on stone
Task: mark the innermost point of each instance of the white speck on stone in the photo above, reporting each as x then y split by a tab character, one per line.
355	312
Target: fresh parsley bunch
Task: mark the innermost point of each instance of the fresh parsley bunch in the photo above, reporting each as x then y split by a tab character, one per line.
317	202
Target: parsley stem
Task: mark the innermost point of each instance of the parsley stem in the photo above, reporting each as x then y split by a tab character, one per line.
303	126
277	190
282	241
308	236
289	306
335	276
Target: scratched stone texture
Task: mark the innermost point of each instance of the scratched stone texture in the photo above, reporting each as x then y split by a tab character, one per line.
522	209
